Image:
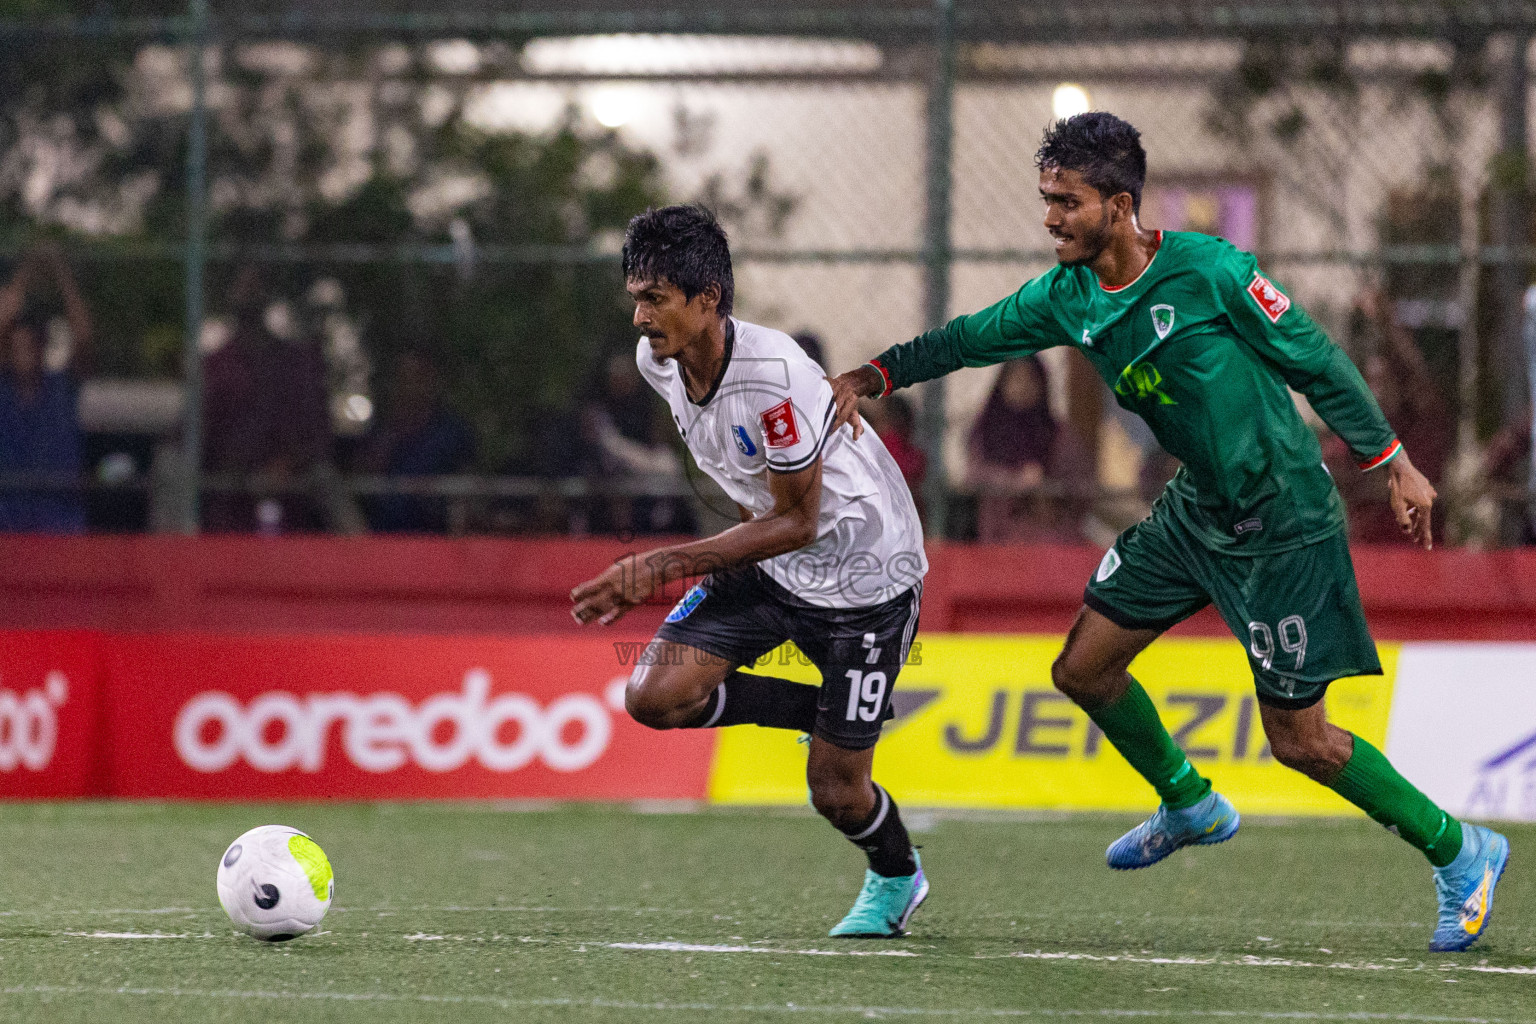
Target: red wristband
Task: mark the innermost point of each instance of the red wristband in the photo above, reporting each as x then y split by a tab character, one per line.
1385	457
884	375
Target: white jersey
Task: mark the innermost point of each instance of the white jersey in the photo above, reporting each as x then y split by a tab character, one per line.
771	409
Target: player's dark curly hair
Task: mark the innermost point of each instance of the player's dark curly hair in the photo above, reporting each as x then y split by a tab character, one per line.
1101	147
684	245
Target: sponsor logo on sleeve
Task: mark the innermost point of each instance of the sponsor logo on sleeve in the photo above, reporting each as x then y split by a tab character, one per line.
779	427
1270	299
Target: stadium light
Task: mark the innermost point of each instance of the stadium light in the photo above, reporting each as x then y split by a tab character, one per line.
616	107
358	408
641	54
1070	99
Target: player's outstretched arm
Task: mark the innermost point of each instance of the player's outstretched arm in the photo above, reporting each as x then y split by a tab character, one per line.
788	526
1019	325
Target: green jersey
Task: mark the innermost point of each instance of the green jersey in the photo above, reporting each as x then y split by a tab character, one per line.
1201	346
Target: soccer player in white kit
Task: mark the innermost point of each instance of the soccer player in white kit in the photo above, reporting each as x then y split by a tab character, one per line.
829	553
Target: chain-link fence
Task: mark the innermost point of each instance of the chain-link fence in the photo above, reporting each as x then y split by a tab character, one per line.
404	260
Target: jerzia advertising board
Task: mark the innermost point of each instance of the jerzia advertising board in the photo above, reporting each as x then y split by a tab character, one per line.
978	724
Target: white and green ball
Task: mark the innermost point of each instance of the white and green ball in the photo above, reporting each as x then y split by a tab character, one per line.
275	883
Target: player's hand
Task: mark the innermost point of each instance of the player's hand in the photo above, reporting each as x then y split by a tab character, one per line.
606	598
1412	498
847	389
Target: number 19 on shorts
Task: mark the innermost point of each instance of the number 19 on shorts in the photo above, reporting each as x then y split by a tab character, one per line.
1292	632
866	694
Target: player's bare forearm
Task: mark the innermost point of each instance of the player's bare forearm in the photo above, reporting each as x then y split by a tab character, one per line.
754	541
1413	498
788	526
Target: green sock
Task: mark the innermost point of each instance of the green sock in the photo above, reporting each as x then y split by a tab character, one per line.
1369	781
1132	725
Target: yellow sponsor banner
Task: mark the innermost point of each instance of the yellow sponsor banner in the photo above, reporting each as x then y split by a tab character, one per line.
980	725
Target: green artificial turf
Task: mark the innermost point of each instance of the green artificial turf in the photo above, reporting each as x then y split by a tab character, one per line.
482	912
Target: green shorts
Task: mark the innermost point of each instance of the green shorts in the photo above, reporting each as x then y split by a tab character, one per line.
1298	612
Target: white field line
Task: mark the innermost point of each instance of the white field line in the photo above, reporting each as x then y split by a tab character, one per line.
1020	915
1128	958
100	913
1258	961
979	1013
691	947
503	908
138	935
675	946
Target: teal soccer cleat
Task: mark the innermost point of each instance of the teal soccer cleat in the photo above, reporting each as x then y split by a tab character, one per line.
884	906
1465	887
1212	820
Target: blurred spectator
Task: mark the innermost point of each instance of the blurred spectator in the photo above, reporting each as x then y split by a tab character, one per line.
1507	463
554	451
626	430
39	425
810	344
1016	445
416	435
895	421
264	415
1410	397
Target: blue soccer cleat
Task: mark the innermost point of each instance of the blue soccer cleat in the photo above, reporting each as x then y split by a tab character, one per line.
884	906
1212	820
1465	887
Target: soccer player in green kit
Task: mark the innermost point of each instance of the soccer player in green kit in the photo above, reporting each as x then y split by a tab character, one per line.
1195	339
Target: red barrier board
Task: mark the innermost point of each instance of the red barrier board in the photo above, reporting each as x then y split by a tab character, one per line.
482	586
211	716
50	715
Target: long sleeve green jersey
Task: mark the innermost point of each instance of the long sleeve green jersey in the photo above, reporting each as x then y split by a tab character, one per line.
1202	346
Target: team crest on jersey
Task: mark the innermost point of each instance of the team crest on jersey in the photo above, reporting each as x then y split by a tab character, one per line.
779	427
743	441
1270	299
1162	321
690	601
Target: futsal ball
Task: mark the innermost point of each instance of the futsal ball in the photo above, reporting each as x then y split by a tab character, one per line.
275	883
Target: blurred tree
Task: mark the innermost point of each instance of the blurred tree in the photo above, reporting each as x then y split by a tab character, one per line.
373	155
1297	109
361	150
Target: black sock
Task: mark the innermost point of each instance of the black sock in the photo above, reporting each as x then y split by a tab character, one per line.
884	838
759	700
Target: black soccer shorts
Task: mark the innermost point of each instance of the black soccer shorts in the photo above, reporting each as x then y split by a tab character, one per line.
743	614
